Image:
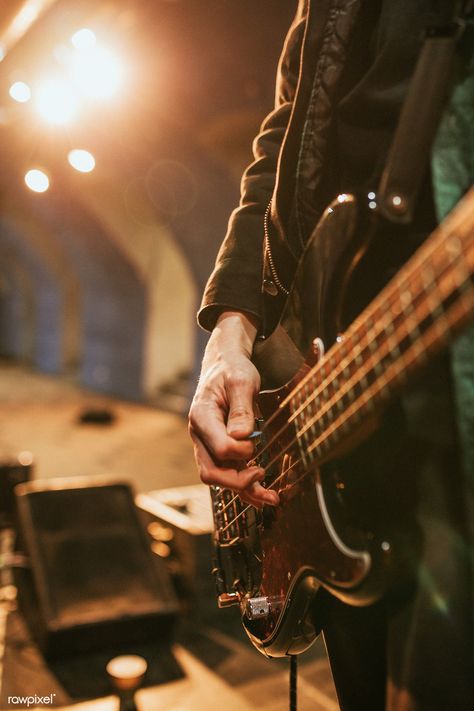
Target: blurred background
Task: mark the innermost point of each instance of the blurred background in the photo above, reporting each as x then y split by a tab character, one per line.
124	129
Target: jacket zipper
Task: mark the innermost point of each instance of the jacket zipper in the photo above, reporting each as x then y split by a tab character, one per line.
268	252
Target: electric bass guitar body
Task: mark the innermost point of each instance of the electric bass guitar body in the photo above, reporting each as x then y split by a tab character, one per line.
343	525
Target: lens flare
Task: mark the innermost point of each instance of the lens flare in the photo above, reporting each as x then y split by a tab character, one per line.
55	101
19	91
27	15
97	72
37	180
83	38
81	160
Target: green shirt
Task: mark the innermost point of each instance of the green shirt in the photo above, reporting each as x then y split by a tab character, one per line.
453	174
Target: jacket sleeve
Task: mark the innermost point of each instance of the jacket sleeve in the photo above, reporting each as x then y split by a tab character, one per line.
236	280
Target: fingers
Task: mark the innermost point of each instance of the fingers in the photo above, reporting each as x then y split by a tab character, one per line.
221	418
222	409
245	482
258	496
241	392
226	476
207	421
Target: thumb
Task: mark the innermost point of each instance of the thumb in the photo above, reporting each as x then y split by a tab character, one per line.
241	418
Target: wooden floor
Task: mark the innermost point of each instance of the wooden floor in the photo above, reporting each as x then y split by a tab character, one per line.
202	689
150	449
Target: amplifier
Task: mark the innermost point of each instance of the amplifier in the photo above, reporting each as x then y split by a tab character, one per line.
179	522
12	472
92	580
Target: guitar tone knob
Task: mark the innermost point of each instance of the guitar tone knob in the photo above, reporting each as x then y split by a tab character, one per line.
257	607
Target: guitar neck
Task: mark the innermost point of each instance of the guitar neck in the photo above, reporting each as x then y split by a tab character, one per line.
419	311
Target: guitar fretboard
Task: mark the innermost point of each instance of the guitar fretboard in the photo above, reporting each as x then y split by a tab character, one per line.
421	309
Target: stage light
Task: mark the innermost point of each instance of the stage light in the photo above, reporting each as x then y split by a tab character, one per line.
37	180
27	15
19	91
97	72
81	160
83	39
56	101
25	458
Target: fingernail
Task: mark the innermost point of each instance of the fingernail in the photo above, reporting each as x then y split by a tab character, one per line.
237	430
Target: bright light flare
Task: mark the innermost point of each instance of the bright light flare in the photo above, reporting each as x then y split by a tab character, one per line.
37	180
56	101
27	15
84	39
81	160
97	72
19	91
25	458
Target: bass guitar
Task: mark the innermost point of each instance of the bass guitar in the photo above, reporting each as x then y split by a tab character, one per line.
278	564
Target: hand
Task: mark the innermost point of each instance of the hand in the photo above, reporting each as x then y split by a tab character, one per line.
221	417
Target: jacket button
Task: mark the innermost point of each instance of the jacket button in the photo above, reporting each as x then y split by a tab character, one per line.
270	287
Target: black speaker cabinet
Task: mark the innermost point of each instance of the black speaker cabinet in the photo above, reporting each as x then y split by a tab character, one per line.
12	472
92	581
179	521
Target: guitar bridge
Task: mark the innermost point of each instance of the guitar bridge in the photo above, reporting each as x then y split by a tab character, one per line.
261	607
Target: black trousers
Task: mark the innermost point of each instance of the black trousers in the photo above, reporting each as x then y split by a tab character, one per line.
413	650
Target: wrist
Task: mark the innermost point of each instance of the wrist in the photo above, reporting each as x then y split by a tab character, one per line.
234	330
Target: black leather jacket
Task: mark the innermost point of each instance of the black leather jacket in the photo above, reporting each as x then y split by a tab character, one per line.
313	56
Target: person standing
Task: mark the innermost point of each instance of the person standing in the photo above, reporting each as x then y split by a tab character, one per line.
342	80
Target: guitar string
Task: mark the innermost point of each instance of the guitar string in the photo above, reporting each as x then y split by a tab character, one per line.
432	248
425	295
445	242
374	390
395	374
361	342
382	322
411	356
295	463
250	506
395	286
355	410
290	486
453	268
372	364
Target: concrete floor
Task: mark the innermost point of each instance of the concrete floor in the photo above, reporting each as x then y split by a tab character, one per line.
151	450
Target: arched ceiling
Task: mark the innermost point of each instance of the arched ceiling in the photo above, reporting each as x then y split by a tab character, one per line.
168	149
199	80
